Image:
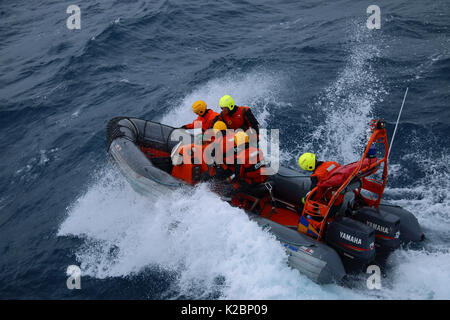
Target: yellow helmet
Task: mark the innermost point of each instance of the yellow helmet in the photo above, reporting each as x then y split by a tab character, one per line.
240	138
226	102
199	107
219	126
307	161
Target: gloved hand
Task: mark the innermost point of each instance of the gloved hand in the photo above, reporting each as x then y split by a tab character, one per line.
183	127
303	200
230	179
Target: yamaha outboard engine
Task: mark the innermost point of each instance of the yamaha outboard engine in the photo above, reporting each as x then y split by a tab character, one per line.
386	226
354	241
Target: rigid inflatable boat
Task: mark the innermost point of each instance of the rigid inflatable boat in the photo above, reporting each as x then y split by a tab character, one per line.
341	228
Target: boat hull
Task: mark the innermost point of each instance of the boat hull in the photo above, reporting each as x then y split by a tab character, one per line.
319	261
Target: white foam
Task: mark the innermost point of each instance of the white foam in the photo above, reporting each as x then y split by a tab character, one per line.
194	234
255	90
419	275
347	105
428	197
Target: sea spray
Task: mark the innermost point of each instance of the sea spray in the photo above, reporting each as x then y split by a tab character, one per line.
209	245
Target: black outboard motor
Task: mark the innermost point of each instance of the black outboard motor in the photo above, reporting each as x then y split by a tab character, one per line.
354	241
386	226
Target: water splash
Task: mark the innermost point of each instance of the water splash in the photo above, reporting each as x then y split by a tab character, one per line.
257	90
347	105
427	197
207	244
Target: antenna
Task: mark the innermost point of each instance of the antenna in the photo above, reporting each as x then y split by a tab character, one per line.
398	119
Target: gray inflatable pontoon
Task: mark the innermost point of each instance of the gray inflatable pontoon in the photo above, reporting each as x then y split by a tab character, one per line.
320	261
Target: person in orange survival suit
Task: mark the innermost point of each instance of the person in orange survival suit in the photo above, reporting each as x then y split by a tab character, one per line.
189	165
321	169
248	167
205	116
219	154
236	117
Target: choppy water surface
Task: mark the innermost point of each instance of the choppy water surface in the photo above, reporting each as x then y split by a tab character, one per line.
311	69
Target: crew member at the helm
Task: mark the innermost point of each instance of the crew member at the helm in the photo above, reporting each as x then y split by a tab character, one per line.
321	169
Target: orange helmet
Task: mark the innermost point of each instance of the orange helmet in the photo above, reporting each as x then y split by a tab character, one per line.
219	126
240	138
199	107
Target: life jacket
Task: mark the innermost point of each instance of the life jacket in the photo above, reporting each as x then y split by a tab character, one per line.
236	119
331	180
324	170
250	161
192	166
227	150
206	120
337	177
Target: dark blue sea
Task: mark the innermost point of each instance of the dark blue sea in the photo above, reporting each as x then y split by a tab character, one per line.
310	68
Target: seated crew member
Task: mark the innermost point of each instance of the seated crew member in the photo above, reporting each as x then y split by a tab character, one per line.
321	169
219	154
236	117
206	116
248	165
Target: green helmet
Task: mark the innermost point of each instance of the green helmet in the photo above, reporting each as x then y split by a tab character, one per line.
307	161
226	102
